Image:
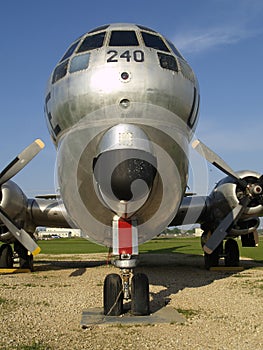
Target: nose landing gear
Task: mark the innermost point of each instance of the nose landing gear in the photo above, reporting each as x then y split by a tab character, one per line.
126	286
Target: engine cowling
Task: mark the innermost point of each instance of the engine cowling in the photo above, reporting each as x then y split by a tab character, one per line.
245	226
13	202
227	194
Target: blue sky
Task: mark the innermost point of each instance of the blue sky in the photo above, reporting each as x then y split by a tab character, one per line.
221	39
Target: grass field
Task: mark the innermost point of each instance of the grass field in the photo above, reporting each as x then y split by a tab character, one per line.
161	245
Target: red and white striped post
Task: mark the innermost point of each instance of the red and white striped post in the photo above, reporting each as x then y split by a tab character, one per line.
124	236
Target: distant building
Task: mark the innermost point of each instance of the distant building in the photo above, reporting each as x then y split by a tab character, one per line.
51	232
198	232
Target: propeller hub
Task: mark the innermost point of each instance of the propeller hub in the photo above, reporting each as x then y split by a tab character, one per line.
255	189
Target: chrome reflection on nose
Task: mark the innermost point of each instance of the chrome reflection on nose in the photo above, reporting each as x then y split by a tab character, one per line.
124	179
125	168
131	178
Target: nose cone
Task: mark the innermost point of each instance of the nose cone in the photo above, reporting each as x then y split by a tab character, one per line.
125	169
131	178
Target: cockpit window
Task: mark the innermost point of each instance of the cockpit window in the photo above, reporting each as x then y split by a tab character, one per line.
70	51
60	71
175	51
79	62
92	42
146	28
154	41
123	38
186	70
167	61
98	29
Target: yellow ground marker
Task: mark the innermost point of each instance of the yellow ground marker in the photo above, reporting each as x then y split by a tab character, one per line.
7	271
227	268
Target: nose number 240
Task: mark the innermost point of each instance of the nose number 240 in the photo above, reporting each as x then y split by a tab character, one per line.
134	56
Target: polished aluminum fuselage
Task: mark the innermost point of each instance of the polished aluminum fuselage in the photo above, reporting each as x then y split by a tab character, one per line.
149	100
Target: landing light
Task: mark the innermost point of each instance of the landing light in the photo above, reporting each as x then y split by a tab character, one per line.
125	75
258	189
125	103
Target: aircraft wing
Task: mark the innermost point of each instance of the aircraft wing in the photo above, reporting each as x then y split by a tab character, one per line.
192	210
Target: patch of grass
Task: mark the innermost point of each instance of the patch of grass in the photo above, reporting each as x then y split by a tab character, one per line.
157	245
120	326
7	303
250	284
258	284
3	301
241	275
255	253
70	246
161	245
34	346
164	245
30	285
188	313
43	303
6	286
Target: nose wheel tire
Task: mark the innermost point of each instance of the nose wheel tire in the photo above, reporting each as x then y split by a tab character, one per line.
113	295
140	295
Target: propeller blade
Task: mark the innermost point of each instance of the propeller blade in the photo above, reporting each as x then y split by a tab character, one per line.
214	159
221	231
21	235
21	160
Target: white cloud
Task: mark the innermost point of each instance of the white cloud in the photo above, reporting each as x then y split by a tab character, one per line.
202	40
230	23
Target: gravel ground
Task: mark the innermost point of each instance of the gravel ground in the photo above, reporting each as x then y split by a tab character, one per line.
42	310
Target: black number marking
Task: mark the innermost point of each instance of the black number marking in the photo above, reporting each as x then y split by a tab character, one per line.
137	55
126	55
112	57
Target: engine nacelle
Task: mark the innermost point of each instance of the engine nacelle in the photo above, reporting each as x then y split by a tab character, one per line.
245	226
14	204
227	195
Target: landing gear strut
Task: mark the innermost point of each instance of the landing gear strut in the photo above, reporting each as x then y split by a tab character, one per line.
25	258
126	286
